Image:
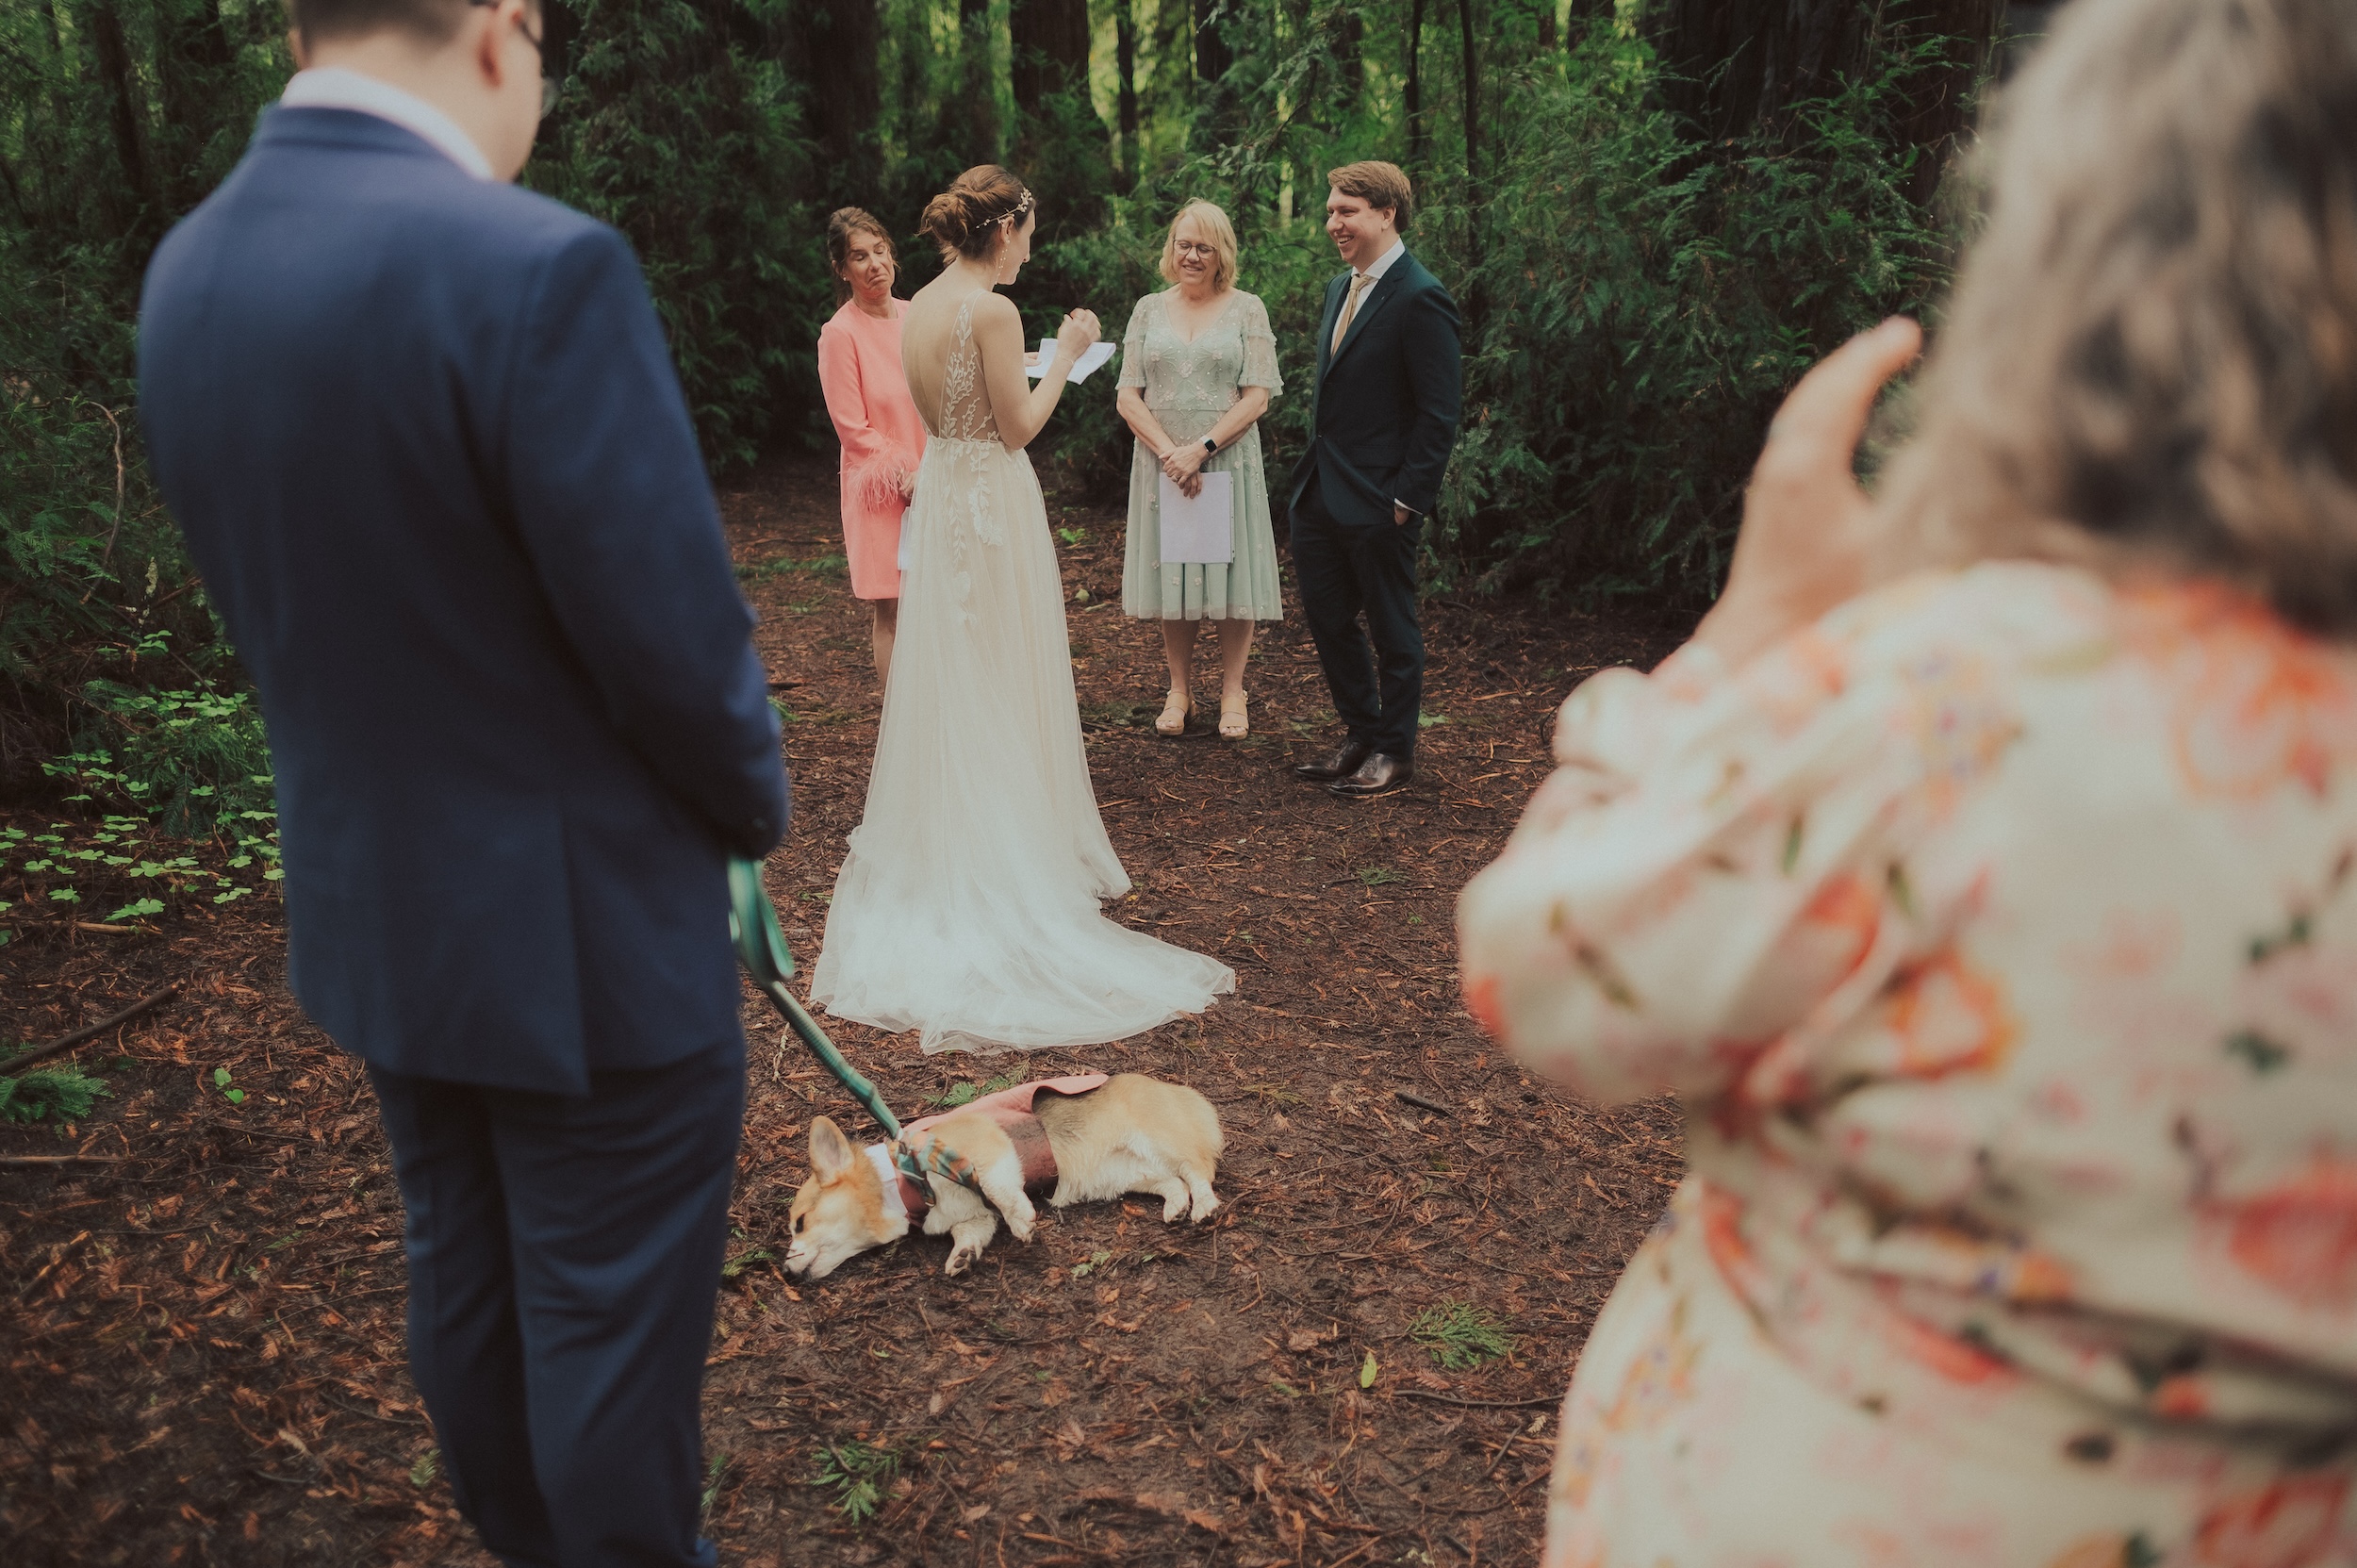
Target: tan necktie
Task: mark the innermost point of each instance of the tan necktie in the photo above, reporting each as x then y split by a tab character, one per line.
1350	307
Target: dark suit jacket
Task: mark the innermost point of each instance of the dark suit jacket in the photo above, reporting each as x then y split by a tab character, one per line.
424	438
1386	406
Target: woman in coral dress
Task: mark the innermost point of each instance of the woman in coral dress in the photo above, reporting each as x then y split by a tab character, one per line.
867	397
1998	925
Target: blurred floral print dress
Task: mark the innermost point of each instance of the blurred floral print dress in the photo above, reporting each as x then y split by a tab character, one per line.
1999	932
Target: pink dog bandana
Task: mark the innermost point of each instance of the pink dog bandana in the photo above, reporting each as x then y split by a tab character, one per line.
1011	1109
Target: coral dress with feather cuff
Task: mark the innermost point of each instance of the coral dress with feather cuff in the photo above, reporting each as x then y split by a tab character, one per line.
884	441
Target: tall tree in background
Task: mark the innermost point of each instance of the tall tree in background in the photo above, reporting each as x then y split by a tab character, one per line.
1731	67
1470	71
831	52
1213	56
1062	143
977	82
1050	53
1216	99
1419	133
1350	55
1125	87
142	202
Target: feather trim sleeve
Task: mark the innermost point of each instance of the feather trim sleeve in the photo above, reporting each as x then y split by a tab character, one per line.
873	467
878	480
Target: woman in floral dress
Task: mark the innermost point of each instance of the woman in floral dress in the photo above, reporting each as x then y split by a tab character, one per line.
1997	925
1199	366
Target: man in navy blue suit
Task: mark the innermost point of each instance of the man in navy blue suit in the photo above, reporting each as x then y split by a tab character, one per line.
1385	416
423	433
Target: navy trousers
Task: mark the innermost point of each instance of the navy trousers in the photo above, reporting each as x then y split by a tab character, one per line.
1346	573
564	1261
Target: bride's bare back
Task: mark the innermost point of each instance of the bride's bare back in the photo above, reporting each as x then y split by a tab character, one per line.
962	351
942	360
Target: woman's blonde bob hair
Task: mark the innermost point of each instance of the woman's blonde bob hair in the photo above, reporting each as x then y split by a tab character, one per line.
1216	229
2151	358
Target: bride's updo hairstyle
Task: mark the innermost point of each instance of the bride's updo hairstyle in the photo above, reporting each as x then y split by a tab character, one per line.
2151	356
967	218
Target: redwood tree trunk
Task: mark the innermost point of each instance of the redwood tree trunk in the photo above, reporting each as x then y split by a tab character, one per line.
193	51
978	75
1126	68
123	109
835	45
1062	144
1051	41
1412	91
1350	51
1473	92
1212	57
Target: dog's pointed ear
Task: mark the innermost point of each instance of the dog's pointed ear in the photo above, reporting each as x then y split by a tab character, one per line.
830	1152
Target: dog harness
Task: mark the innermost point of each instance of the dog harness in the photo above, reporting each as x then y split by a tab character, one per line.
1012	1109
761	948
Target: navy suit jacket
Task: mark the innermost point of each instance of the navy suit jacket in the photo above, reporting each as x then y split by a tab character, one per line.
424	438
1387	404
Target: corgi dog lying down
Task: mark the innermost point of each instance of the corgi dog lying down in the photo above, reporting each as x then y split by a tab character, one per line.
1094	1137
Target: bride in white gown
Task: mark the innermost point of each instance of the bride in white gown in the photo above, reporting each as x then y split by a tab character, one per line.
968	905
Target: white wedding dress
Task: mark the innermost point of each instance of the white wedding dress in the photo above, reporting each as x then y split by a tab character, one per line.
968	905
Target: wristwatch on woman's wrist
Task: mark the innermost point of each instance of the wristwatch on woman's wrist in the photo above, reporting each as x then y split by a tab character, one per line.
1210	448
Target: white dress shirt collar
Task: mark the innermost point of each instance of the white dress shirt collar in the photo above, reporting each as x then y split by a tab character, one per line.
1375	270
341	87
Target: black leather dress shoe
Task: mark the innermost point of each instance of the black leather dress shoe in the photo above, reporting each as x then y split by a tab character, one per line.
1338	764
1378	775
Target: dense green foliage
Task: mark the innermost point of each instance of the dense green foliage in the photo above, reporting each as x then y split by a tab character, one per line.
681	130
1636	299
1635	304
676	123
116	117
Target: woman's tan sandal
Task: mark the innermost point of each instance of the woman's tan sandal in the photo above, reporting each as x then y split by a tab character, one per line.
1176	707
1233	725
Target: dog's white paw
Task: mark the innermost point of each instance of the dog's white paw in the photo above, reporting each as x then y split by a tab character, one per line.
1174	1210
961	1259
1205	1206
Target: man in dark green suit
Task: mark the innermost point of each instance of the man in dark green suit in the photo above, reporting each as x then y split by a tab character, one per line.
1388	394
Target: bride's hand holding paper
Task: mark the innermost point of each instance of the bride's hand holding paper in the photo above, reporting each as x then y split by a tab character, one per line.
1079	334
1078	345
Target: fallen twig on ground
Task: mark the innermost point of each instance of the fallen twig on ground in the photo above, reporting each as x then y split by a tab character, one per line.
72	1038
1547	1399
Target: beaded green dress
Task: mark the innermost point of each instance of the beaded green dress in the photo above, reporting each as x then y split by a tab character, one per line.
1188	384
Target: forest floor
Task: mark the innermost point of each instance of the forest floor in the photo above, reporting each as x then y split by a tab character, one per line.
201	1358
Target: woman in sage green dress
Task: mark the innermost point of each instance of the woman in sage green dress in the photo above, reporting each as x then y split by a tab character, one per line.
1198	367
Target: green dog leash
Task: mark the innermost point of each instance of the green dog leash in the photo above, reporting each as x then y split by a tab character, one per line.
761	948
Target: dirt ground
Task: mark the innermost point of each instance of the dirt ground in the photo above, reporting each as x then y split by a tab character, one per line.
203	1341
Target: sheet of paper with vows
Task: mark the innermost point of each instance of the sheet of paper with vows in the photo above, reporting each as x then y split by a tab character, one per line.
1092	360
1202	530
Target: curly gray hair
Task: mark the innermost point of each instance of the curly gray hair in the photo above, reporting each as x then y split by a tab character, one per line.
2150	355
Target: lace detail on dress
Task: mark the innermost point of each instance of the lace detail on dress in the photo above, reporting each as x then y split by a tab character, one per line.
956	497
965	414
1205	373
968	904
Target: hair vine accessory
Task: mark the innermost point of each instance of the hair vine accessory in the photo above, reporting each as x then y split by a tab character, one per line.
1017	210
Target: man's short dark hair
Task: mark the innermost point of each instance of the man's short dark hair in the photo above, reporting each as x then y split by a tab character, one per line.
1381	186
431	19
